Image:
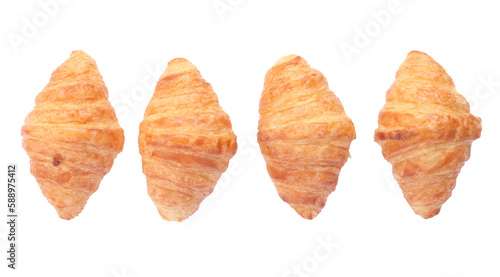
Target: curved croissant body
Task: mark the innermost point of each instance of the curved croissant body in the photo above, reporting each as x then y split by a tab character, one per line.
426	131
304	134
72	135
186	141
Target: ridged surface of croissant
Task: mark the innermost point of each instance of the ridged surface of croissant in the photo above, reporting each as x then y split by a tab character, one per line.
72	135
304	134
186	141
426	131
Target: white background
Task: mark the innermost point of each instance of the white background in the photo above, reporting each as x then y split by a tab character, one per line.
244	228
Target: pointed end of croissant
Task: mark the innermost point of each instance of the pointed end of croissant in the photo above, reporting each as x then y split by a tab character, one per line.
418	53
80	61
287	58
78	65
68	215
68	204
174	215
68	212
427	212
307	201
419	58
307	211
421	70
78	53
177	66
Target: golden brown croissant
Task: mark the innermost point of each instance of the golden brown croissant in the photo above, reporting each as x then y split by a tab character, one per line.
304	134
72	135
186	141
426	131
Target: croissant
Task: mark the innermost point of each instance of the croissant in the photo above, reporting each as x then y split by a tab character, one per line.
185	140
72	135
304	134
426	131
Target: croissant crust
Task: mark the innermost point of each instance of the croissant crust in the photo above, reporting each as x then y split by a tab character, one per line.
72	135
186	141
304	134
426	131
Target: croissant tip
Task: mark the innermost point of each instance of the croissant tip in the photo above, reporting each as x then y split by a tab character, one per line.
66	208
173	219
287	58
67	214
78	52
426	212
177	66
80	55
420	55
66	217
416	52
173	215
306	212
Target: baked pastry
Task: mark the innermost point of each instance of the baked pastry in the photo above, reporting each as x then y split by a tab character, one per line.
72	135
304	134
186	141
426	131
